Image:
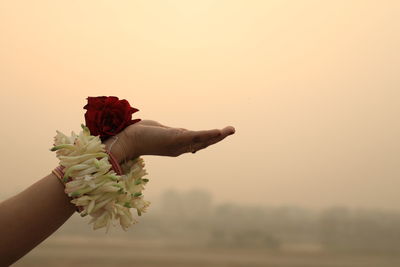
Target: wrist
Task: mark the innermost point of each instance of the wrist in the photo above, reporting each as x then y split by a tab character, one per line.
112	145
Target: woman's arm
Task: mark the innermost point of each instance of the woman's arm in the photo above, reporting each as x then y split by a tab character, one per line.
31	216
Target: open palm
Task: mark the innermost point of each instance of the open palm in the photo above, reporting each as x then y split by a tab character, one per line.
149	137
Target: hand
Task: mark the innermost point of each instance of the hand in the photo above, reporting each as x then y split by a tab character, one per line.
149	137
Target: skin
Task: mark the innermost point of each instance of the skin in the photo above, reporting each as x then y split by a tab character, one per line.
31	216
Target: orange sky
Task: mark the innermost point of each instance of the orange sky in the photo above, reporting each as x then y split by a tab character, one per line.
312	88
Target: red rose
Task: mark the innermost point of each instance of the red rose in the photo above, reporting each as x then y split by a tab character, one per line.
107	116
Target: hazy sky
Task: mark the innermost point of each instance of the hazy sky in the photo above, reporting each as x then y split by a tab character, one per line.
312	88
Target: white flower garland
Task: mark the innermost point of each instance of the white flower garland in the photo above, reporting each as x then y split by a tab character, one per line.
104	195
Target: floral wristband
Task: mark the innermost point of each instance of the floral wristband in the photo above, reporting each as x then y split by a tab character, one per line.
59	172
97	184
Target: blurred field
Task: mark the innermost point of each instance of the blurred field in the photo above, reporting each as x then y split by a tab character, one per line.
79	251
197	232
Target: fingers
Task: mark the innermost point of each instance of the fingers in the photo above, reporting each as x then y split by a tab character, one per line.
166	141
228	130
198	140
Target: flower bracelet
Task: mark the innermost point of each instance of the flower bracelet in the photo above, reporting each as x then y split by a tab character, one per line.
98	185
96	188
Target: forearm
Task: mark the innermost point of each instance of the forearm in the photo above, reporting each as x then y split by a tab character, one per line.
29	217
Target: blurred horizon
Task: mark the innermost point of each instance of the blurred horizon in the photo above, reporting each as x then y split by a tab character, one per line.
186	228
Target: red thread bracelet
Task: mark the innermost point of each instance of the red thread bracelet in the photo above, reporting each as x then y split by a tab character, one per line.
59	173
114	163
